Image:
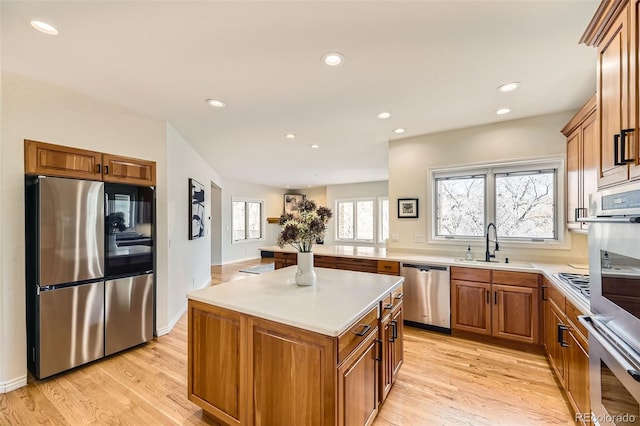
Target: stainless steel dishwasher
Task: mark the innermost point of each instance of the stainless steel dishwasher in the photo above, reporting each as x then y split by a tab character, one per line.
427	296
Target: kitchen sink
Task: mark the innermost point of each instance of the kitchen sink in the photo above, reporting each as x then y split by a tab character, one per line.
511	263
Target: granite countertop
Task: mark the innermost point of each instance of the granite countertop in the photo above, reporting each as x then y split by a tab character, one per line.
549	270
338	299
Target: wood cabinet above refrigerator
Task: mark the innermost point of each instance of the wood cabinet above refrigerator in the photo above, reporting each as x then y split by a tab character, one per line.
47	159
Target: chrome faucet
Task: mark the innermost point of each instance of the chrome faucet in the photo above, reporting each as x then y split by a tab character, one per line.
487	254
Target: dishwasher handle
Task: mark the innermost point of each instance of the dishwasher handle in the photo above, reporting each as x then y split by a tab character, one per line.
425	268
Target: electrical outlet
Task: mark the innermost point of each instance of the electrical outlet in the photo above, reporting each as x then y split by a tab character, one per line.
418	238
395	237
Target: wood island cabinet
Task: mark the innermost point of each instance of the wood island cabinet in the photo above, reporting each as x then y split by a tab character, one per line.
497	303
566	345
583	150
613	30
392	339
245	370
62	161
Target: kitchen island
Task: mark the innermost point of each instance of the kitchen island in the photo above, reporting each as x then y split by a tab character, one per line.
263	350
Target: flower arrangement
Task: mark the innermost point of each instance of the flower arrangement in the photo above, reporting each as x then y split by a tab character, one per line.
116	222
304	227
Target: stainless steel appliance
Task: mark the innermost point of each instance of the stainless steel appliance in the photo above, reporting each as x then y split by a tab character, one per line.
64	271
128	312
427	296
614	328
89	270
129	266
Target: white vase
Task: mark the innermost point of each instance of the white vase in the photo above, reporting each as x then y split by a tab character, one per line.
305	275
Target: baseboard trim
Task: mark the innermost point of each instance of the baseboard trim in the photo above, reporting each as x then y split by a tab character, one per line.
166	330
6	387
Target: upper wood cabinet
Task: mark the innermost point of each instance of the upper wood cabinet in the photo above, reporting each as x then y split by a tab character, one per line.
56	160
128	170
614	31
583	151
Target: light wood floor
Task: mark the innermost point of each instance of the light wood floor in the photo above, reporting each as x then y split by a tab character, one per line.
444	381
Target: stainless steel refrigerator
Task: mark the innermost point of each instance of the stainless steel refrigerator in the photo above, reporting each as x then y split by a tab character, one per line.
87	296
65	273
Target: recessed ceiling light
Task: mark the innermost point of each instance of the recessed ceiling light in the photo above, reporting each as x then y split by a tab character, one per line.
503	111
384	115
508	87
216	103
43	27
399	130
290	136
315	146
333	59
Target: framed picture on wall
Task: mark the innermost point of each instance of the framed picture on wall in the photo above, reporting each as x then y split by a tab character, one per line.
196	209
407	208
291	202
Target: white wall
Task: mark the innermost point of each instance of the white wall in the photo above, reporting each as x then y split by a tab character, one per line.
38	111
353	190
411	158
273	206
189	267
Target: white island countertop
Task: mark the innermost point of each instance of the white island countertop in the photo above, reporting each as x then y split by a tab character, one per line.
338	299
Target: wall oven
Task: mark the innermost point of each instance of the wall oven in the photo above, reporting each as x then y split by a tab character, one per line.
614	328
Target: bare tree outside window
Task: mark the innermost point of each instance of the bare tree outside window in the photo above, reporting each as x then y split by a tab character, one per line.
345	220
460	206
525	204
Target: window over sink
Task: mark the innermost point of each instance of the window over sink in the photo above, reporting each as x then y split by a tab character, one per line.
522	199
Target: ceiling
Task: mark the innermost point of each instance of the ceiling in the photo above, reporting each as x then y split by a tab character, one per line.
434	65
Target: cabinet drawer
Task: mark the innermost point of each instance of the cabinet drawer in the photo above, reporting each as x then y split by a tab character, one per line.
388	267
350	339
524	279
397	296
361	265
573	313
289	258
471	274
556	297
324	261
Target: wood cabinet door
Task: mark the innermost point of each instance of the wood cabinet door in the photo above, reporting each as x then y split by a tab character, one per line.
357	386
553	318
386	367
214	360
574	181
54	160
128	170
613	97
634	89
397	353
291	375
470	306
515	313
577	374
590	152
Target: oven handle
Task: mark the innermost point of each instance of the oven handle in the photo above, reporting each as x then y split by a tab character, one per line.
633	371
610	219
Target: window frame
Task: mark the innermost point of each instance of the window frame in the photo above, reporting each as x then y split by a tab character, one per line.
490	171
380	238
376	220
246	220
